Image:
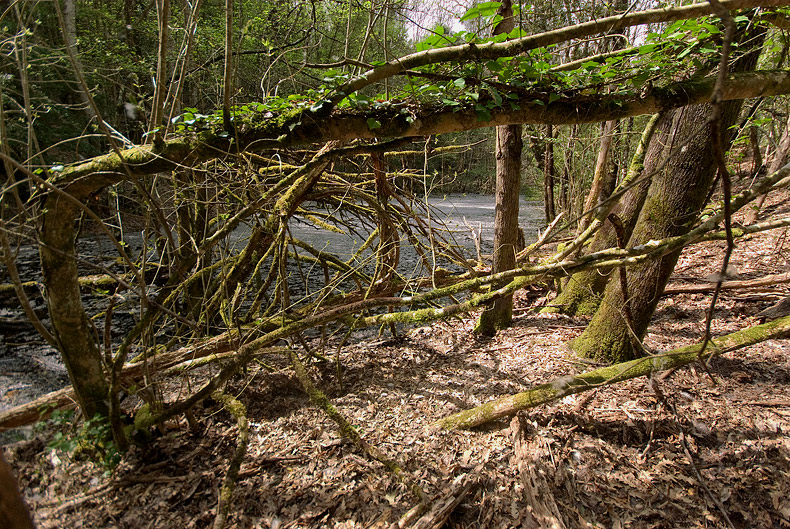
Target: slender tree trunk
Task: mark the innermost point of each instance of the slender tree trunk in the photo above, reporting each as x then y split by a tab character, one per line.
548	175
158	106
600	174
565	184
757	156
227	84
508	182
509	146
70	36
776	163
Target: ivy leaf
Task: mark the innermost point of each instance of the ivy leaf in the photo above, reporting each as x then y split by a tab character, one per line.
483	9
495	94
647	48
483	114
373	124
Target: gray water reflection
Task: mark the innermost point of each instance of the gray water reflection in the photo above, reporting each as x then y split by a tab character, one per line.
458	213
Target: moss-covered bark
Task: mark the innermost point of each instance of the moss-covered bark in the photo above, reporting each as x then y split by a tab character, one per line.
674	200
239	412
70	324
512	404
584	290
676	195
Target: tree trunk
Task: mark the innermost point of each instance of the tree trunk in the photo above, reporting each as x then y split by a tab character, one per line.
566	199
548	175
227	81
674	200
582	293
70	36
509	145
70	324
776	163
599	176
13	512
158	105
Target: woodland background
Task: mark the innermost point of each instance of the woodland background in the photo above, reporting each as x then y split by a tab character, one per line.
157	157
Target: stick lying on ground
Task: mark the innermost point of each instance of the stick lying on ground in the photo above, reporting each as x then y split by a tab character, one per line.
764	281
512	404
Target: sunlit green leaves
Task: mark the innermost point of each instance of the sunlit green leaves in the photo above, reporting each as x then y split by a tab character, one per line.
483	9
437	39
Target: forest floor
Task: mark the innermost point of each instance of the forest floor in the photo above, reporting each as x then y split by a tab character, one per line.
697	449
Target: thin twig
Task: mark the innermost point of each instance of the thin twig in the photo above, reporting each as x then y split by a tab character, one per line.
721	163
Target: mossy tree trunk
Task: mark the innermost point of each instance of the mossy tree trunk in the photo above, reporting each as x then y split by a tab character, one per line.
674	199
582	293
71	326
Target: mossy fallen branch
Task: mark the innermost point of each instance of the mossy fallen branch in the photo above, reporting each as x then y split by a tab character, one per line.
41	408
570	385
239	413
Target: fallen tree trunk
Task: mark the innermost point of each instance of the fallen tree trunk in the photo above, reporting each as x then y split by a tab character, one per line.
729	285
572	384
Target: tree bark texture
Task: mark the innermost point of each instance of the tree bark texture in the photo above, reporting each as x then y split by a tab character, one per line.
509	146
776	163
13	512
548	175
70	323
599	176
582	293
499	315
674	200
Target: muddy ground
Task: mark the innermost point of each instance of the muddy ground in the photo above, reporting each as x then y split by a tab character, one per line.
697	449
